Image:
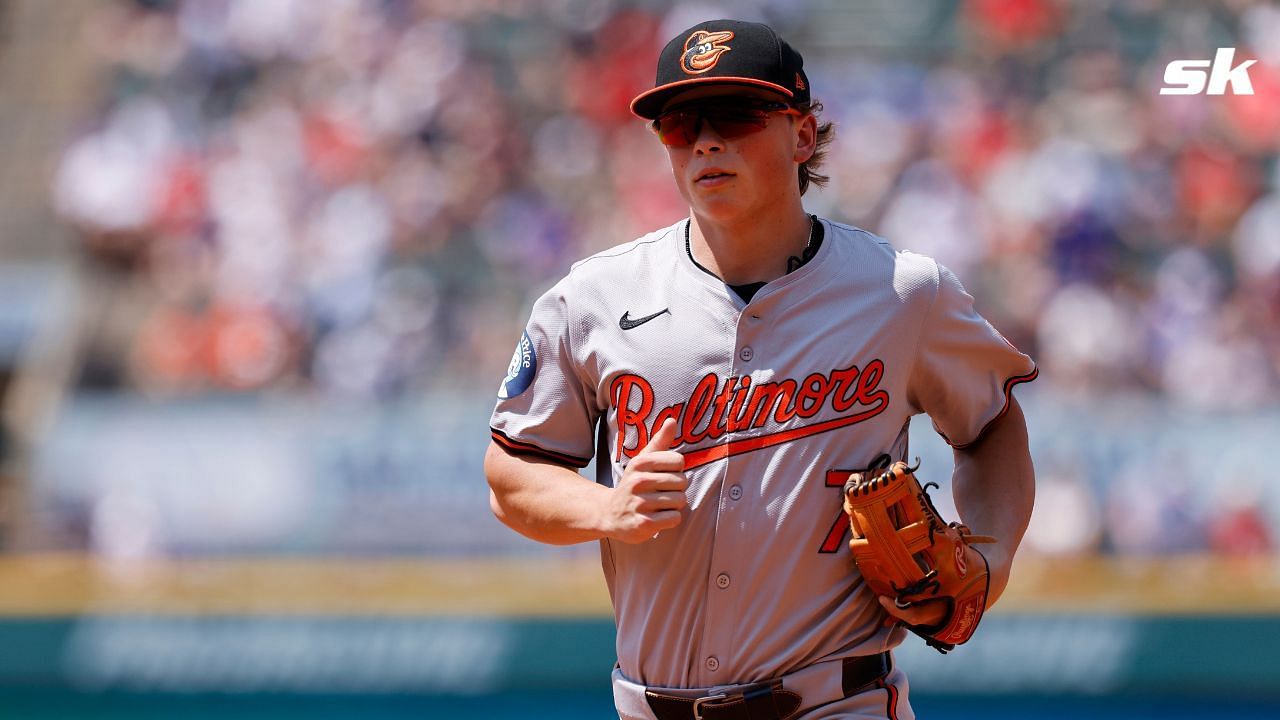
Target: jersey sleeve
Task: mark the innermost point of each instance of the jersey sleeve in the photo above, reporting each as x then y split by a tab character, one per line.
964	368
544	408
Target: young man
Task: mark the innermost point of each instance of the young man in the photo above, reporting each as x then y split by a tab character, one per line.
728	372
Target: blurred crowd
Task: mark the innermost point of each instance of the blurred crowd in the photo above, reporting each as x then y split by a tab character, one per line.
361	198
1149	504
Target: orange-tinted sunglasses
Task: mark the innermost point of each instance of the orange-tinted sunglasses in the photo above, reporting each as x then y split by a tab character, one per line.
679	127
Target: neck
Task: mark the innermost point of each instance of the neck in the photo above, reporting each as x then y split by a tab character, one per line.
755	250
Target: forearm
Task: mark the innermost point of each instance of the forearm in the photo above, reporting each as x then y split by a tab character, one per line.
994	490
543	501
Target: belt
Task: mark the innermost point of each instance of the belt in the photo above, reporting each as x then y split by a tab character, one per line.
764	701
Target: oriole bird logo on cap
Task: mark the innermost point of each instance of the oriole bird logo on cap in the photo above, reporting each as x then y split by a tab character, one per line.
703	50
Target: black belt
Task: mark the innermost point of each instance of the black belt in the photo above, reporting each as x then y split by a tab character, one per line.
766	700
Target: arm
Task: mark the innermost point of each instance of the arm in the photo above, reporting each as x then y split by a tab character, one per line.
541	500
994	489
555	505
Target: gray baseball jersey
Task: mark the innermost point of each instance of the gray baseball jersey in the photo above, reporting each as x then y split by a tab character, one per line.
777	400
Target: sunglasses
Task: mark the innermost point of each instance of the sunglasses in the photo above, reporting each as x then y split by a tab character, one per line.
680	126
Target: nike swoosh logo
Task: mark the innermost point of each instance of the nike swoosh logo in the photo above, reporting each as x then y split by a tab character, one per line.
626	323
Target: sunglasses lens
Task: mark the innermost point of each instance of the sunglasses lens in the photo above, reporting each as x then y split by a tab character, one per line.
681	127
731	124
678	129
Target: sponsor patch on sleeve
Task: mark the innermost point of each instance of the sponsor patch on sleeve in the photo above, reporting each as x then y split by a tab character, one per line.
524	364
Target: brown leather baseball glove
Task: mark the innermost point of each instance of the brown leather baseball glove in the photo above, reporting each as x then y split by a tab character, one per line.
906	551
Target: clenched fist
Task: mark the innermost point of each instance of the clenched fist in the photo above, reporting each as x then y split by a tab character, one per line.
650	495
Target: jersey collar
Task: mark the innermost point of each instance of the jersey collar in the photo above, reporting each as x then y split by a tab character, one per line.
816	254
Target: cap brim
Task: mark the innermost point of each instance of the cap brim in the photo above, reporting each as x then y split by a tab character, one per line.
648	104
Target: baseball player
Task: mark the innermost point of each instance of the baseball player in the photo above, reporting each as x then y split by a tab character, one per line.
728	373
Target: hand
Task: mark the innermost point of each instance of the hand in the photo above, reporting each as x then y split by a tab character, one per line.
931	612
650	495
925	612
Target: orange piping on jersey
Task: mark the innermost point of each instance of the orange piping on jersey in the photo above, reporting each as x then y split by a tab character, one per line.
891	711
523	448
1008	394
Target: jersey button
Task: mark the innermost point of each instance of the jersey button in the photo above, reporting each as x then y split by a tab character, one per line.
746	353
735	492
722	581
713	664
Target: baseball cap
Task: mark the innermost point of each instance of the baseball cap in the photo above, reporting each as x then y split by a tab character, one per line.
721	52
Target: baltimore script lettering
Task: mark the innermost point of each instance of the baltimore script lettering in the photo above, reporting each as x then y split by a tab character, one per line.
716	407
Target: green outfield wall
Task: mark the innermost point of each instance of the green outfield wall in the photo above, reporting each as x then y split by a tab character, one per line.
1069	655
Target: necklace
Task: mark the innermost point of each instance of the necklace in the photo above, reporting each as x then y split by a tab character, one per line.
794	263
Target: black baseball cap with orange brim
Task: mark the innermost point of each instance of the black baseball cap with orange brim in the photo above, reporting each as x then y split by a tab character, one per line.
725	52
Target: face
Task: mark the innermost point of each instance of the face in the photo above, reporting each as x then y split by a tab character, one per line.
737	178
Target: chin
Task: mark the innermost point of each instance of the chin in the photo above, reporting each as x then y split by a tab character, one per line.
725	206
722	213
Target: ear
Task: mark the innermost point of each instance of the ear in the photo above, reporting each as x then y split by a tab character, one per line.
806	138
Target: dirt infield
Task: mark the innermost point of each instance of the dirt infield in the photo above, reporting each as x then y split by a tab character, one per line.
65	584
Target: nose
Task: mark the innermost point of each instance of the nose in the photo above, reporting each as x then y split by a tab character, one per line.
708	139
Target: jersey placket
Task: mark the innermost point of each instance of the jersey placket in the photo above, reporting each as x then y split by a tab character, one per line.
731	554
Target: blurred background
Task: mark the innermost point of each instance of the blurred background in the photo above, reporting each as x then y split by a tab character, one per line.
263	262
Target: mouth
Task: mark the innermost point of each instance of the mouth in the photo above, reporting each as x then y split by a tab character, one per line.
711	175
